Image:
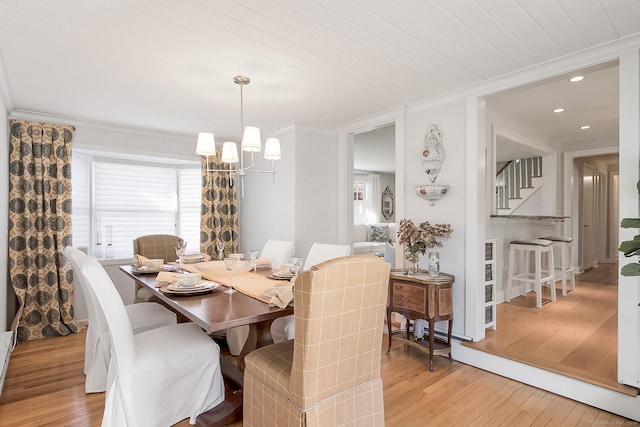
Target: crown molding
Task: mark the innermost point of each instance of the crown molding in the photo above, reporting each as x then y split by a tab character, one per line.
93	124
590	57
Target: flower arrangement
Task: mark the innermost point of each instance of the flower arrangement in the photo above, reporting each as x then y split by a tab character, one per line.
417	239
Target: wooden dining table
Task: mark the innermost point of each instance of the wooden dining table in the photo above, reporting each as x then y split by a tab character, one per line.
217	311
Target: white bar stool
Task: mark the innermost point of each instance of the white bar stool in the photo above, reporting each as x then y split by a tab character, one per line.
538	277
566	260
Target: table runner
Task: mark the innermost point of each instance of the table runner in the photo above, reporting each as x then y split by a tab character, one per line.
258	286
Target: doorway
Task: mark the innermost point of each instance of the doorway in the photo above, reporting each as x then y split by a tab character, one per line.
587	257
347	138
530	111
373	173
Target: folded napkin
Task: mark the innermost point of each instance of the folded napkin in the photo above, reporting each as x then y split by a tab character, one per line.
279	296
263	263
166	276
143	261
285	272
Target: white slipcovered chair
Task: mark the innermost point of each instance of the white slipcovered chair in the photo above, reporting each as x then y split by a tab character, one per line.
278	252
143	316
157	377
283	328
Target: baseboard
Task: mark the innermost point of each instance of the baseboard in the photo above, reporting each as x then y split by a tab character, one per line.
6	339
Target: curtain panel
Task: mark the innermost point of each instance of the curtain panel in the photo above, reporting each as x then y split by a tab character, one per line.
40	227
219	212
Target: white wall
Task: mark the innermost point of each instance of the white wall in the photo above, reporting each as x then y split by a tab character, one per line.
316	180
267	209
629	287
451	208
175	148
301	204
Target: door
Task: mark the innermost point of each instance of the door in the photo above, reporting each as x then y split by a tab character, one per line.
588	218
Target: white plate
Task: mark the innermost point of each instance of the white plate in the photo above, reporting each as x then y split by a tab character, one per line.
283	274
203	285
148	270
165	289
193	258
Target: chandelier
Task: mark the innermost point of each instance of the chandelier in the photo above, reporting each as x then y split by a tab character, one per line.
251	143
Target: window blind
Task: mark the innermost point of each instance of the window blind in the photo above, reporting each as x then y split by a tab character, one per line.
115	201
189	207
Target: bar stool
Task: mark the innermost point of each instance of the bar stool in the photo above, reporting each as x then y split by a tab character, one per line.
538	277
564	244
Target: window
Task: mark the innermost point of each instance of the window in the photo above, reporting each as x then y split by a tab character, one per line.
360	202
359	190
115	201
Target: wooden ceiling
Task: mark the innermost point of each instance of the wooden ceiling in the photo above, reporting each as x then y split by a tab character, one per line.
168	65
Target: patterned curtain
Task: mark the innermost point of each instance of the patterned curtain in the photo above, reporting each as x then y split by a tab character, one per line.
219	213
40	227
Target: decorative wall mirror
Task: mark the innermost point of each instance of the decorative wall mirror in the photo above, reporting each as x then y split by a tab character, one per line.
387	203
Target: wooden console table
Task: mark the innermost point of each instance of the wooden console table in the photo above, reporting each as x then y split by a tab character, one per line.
420	296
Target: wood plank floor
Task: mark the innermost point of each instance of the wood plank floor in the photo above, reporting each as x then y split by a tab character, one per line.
45	387
575	336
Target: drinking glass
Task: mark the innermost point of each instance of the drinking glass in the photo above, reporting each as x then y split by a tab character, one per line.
181	247
253	254
295	265
230	264
220	248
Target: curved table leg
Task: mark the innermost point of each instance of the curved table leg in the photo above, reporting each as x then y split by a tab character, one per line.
231	409
259	336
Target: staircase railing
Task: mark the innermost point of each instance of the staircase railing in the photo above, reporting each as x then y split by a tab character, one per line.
513	176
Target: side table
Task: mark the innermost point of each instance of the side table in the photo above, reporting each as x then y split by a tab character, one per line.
421	296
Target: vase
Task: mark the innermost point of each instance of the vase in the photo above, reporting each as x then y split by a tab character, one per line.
414	268
434	263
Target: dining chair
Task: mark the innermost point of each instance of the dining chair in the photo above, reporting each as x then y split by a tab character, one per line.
278	252
157	377
321	252
330	372
283	328
143	316
156	246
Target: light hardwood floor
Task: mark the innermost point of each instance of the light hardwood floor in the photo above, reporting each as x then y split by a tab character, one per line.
575	336
45	387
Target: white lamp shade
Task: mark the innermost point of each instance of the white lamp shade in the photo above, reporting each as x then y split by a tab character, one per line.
251	139
272	149
206	144
229	152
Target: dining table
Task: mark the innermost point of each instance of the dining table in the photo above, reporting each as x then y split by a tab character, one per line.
215	311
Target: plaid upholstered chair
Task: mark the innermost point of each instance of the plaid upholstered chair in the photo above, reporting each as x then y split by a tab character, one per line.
283	328
154	246
330	373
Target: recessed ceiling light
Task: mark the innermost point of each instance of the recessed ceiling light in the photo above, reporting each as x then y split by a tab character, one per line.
585	127
558	110
576	79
